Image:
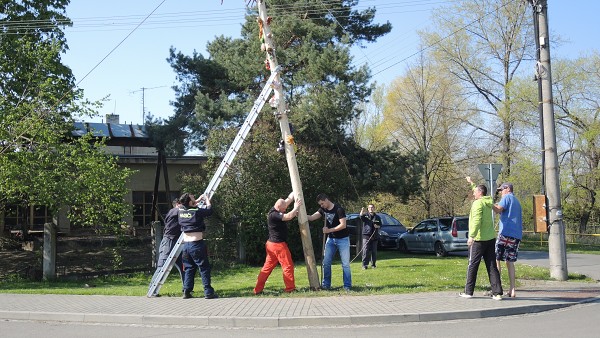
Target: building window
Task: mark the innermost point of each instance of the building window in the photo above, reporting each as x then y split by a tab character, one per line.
35	216
142	206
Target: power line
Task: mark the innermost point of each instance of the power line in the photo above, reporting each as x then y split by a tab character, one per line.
120	43
199	18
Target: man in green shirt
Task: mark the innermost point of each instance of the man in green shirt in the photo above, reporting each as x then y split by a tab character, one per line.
482	243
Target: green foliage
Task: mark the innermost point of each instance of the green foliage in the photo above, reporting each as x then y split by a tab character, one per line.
40	162
577	97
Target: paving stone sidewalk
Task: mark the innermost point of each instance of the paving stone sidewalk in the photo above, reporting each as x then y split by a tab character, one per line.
337	309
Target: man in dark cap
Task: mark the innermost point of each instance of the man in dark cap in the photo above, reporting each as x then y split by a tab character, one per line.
510	232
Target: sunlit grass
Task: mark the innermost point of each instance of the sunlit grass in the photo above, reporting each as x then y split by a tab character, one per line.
395	273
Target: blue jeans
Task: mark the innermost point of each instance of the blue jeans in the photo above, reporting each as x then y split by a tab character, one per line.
343	245
195	255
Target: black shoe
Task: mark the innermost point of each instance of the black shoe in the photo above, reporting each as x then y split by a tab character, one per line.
187	294
211	296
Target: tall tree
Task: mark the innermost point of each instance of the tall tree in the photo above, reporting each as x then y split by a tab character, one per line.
41	163
313	39
367	129
484	43
424	110
576	88
322	88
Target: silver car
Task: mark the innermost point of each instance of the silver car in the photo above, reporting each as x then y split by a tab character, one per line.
440	235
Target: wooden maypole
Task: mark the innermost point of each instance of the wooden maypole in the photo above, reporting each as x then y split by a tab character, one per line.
278	102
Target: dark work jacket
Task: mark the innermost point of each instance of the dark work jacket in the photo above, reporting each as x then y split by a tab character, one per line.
369	221
192	219
172	227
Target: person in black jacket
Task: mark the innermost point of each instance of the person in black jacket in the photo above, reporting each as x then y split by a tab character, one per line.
370	236
171	234
195	254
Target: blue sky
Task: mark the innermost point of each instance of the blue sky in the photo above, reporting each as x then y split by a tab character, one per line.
105	65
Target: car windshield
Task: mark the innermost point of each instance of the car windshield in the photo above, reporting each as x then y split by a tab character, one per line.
389	220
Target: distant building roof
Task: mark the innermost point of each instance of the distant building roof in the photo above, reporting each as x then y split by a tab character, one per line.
117	134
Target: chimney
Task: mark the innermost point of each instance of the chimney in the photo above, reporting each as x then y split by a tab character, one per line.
112	118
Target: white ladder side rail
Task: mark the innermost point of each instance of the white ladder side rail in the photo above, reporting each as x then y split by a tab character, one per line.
162	275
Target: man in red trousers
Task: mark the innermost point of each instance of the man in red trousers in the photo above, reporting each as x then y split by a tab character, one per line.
276	246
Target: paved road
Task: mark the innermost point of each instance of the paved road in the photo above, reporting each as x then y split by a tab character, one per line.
584	264
588	265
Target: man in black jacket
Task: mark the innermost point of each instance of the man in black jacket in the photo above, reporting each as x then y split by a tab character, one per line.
370	236
171	234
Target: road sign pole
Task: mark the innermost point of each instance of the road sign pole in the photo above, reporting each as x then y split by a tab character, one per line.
490	173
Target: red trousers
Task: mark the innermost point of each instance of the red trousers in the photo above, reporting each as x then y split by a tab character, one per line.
277	253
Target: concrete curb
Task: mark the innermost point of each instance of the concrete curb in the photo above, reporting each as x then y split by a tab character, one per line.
280	321
274	312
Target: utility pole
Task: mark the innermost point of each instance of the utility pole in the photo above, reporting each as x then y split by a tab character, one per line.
556	232
278	101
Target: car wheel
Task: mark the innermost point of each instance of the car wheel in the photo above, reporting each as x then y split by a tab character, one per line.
402	246
440	251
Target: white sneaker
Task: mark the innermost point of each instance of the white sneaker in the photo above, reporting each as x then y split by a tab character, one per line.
464	295
497	297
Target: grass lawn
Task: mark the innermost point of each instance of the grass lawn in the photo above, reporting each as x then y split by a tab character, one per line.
395	273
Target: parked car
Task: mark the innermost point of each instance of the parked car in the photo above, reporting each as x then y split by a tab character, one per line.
440	235
389	231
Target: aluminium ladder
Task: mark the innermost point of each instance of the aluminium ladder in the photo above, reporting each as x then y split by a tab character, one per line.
161	276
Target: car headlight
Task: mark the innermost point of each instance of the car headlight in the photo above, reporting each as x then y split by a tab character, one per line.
383	233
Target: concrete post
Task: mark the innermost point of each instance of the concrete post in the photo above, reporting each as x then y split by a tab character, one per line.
157	236
2	227
49	259
241	245
557	252
63	224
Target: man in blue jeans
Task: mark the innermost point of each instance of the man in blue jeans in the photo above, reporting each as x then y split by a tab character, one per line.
337	239
195	254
